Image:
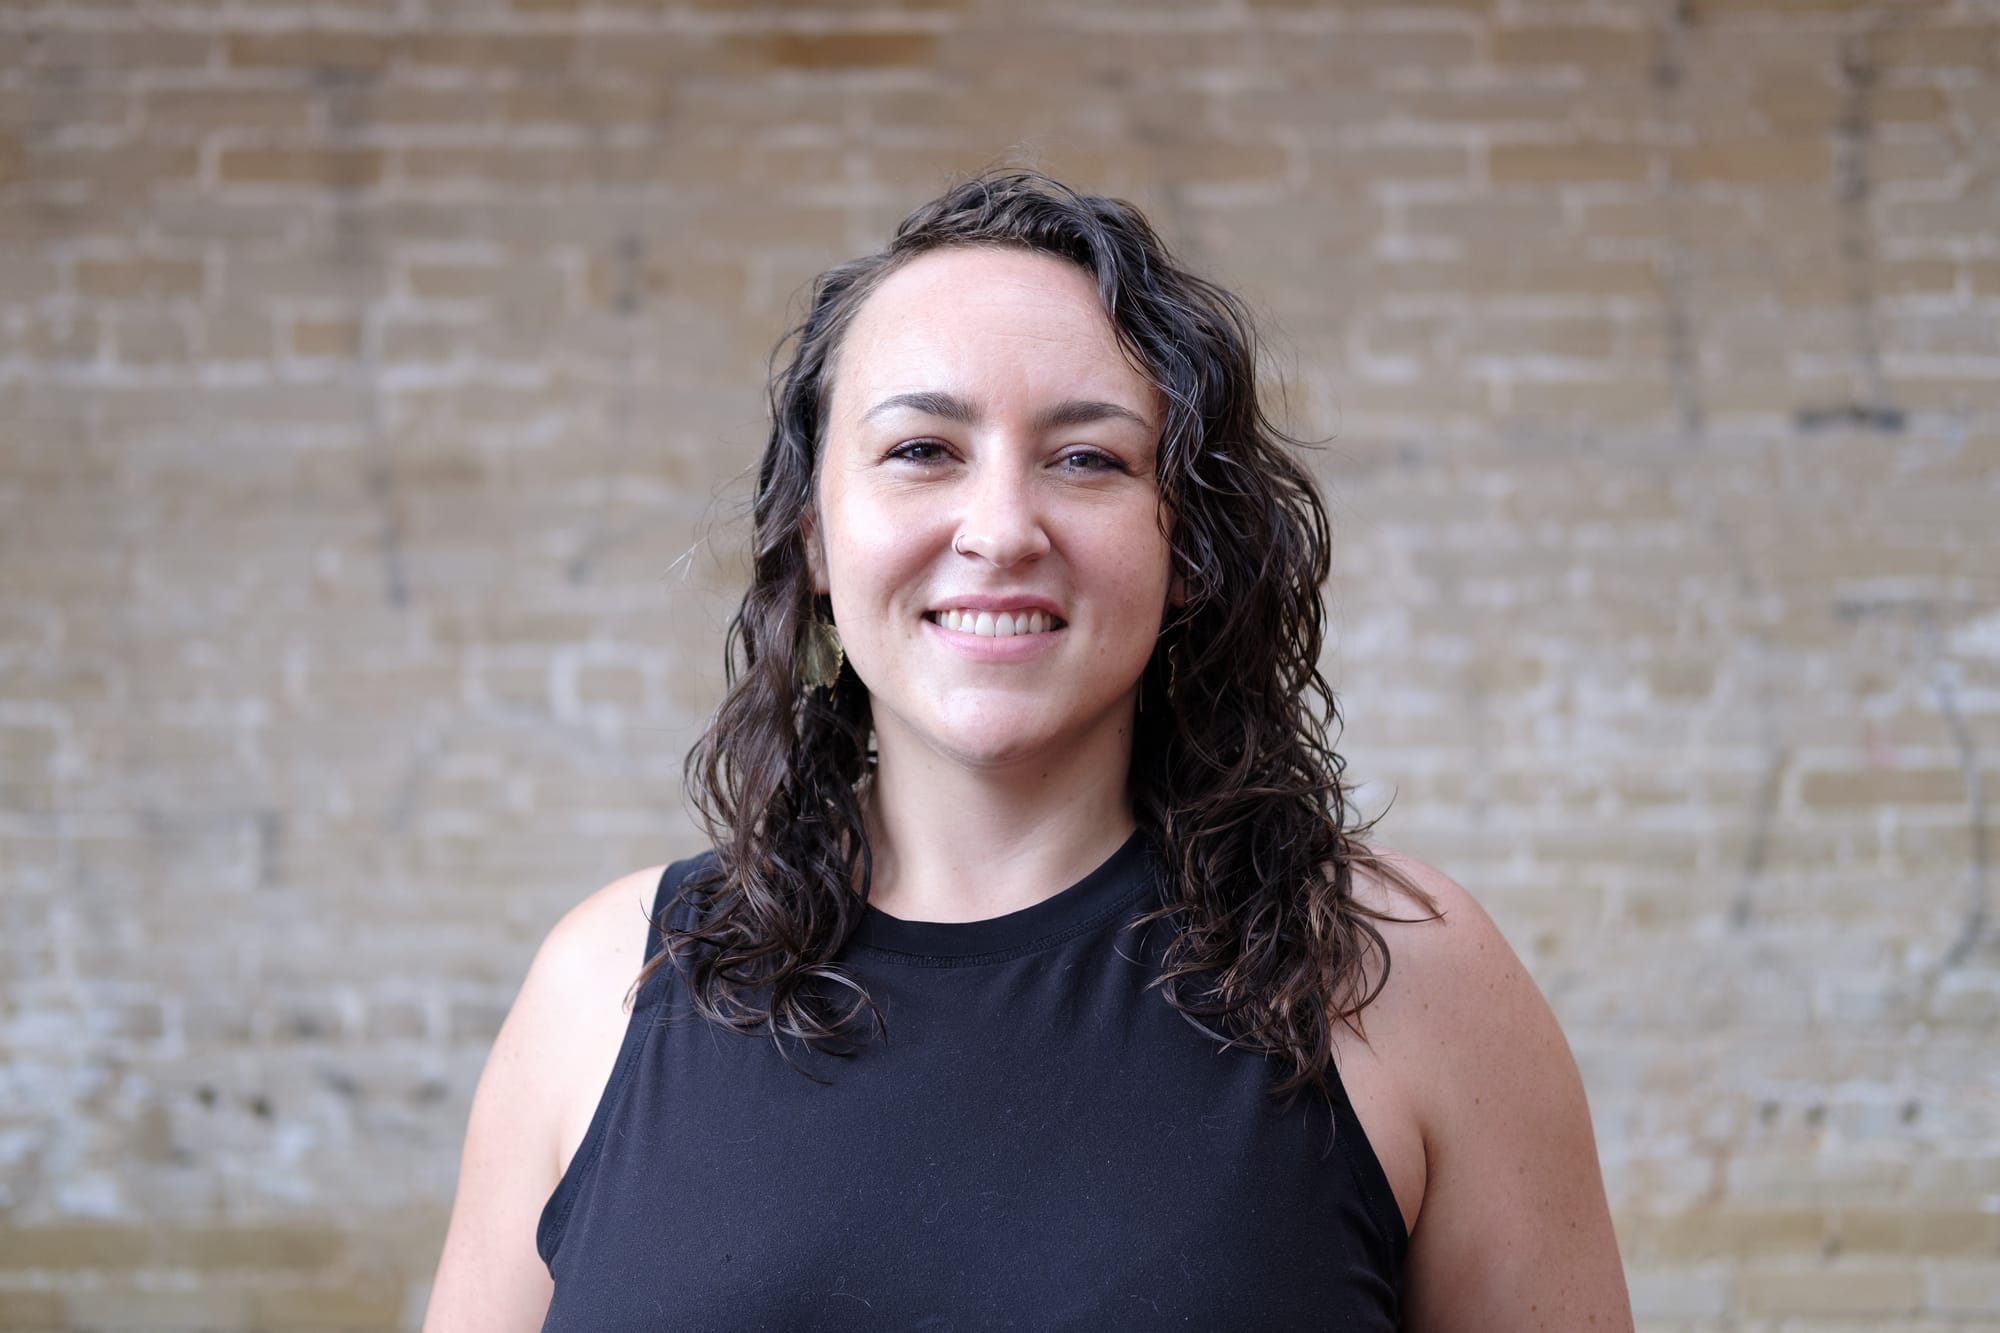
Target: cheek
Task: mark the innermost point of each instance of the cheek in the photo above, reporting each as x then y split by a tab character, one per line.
874	555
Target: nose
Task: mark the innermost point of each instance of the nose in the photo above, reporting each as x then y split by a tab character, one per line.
1001	521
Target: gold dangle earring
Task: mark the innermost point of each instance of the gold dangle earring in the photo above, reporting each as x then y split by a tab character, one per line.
820	655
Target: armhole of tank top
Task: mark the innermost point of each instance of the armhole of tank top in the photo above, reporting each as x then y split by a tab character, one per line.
555	1213
1377	1194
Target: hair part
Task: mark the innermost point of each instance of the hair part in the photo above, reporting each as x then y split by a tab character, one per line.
1234	776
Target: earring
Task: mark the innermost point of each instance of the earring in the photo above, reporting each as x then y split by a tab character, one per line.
820	655
1173	677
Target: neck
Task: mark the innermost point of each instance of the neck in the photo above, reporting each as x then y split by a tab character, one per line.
952	842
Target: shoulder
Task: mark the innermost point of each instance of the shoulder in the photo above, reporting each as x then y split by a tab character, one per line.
576	1002
1457	1013
1448	962
562	1035
598	939
1508	1145
535	1098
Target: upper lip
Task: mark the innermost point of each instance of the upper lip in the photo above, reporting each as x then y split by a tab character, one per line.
999	602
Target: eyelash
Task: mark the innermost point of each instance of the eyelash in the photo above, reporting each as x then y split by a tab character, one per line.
905	452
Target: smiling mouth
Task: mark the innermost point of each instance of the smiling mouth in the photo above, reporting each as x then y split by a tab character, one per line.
996	624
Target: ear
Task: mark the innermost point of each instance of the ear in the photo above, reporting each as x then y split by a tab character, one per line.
815	549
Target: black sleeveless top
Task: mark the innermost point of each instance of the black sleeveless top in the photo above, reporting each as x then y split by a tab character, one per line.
1039	1142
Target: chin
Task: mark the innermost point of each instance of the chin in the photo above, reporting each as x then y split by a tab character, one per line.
1000	751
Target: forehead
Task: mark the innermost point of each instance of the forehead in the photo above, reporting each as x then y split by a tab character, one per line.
1007	319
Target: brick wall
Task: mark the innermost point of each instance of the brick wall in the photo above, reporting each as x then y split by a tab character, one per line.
376	382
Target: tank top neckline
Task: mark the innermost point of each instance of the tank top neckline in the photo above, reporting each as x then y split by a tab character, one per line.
1117	880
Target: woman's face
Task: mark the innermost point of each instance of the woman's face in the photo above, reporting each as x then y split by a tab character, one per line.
988	466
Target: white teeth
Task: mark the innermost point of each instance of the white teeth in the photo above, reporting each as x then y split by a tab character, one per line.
996	624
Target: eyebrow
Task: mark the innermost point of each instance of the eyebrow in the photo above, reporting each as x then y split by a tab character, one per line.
951	407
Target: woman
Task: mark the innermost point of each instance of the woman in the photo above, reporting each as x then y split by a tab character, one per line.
1035	980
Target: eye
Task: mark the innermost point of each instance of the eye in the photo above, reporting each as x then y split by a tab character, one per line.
919	451
1090	460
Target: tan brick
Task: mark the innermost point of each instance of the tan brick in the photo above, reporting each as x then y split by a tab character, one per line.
1913	277
149	1307
617	686
13	158
74	1245
469	108
1598	279
261	1249
1584	337
1367	164
453	282
360	1303
1683	679
125	46
151	337
526	166
1799	101
1711	11
599	103
1384	6
1541	164
407	340
1597	47
1831	1289
1936	47
1962	1288
345	50
654	57
326	337
58	338
1918	1228
239	333
1754	162
1497	107
1941	389
200	110
836	50
1907	105
396	1022
139	278
609	281
1221	162
1353	51
1620	400
40	1310
538	53
27	275
1934	161
1857	789
315	165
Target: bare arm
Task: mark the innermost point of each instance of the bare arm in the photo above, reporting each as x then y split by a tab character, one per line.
1514	1232
541	1085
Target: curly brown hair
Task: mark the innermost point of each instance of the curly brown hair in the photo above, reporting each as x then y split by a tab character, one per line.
1234	776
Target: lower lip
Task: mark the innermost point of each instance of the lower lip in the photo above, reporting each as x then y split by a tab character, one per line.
985	648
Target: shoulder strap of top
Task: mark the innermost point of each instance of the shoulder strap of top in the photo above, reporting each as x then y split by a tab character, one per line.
1378	1196
670	911
645	1005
